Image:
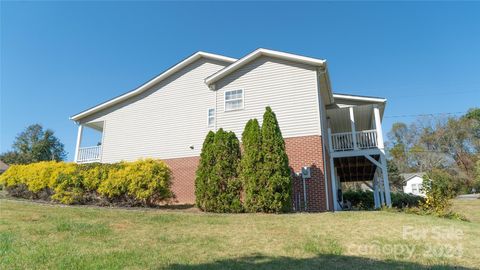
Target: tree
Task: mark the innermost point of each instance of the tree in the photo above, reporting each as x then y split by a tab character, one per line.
439	189
396	180
275	173
33	145
217	185
204	171
251	166
225	172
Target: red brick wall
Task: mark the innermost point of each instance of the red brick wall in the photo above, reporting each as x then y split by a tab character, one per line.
183	184
307	151
302	151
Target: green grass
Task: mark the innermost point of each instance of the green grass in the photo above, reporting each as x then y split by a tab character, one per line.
44	236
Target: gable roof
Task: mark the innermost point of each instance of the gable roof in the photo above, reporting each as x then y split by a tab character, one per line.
263	52
152	82
324	78
408	176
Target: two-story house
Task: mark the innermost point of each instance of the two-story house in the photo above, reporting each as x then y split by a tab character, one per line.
337	137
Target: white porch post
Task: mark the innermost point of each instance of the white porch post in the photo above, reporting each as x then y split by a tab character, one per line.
79	140
352	123
378	128
383	160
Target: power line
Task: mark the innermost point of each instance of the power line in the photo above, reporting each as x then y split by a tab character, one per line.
436	94
426	114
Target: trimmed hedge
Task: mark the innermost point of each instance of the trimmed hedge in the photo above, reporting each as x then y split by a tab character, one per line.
364	199
143	182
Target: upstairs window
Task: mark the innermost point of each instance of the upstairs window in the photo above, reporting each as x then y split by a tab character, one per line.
211	117
233	100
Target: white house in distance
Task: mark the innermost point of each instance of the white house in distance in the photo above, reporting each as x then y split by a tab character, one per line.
337	137
413	183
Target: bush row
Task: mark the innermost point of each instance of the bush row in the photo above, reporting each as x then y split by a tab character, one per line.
143	182
364	199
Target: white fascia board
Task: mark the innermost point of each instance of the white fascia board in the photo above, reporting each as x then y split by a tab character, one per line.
152	82
361	98
265	52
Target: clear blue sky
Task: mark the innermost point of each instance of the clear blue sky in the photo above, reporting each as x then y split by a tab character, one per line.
58	59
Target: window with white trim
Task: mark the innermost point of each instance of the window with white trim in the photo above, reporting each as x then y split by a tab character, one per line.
211	117
233	100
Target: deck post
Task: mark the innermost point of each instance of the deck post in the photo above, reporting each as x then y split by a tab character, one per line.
79	140
386	184
376	198
383	160
334	184
354	134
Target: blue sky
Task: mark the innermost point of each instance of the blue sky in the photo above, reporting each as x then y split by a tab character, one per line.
60	58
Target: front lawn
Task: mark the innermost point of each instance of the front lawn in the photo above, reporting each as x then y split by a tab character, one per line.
45	236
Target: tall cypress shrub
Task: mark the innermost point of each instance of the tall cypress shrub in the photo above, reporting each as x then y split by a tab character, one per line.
203	189
225	173
275	171
251	165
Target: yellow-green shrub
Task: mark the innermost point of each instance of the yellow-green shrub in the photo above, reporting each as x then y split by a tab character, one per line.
95	173
144	181
149	180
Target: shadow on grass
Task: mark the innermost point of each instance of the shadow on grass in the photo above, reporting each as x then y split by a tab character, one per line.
318	262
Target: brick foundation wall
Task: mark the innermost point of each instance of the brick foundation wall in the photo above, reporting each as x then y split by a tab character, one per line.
307	151
183	184
301	151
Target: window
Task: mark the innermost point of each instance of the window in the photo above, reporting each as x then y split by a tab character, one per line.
420	188
233	100
414	188
211	117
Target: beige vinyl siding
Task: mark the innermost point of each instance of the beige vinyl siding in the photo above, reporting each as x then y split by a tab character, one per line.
163	121
289	88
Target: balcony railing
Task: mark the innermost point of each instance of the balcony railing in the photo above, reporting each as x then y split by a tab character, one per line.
89	154
364	139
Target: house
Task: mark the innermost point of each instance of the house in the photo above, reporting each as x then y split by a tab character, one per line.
413	183
334	138
3	167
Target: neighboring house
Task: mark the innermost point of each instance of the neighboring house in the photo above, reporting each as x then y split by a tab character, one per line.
338	136
3	167
413	183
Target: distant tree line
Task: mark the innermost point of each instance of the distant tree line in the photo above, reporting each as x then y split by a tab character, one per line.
447	146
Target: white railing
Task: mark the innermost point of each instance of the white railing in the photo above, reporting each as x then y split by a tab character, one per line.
342	141
89	154
364	139
367	139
